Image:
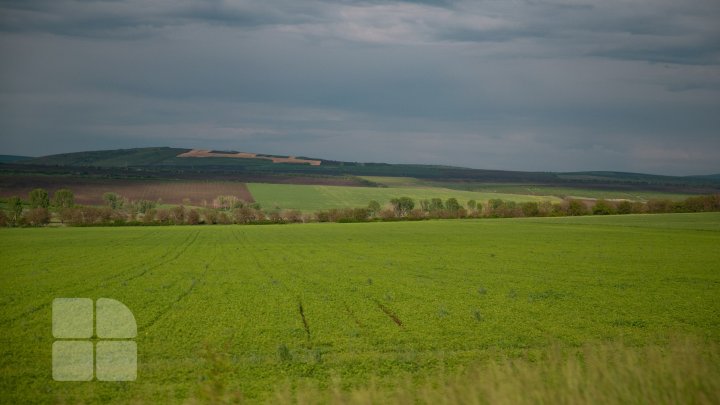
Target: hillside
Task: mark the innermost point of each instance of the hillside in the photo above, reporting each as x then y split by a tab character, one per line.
167	162
13	158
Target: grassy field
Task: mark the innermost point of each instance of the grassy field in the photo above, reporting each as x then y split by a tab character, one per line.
628	193
421	309
314	198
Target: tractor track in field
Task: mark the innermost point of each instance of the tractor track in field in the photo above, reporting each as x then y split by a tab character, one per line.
389	313
352	315
164	262
46	304
184	294
304	320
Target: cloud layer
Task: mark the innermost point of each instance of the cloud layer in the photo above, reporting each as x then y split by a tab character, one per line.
504	84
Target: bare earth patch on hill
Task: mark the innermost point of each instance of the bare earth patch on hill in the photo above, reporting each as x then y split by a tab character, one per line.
204	153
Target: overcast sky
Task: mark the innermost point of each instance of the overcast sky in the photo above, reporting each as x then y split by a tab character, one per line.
627	85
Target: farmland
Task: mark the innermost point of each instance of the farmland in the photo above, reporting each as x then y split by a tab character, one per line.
254	310
89	191
316	197
606	191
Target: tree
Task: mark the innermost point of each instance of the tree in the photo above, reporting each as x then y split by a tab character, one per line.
530	209
3	219
177	215
452	205
577	207
244	215
210	216
293	216
193	217
39	198
374	207
149	216
162	216
471	204
360	214
15	205
65	215
37	216
227	202
113	200
603	207
436	204
624	207
64	198
402	205
144	205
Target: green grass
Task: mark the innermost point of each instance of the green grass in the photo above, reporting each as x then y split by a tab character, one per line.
315	198
218	306
632	193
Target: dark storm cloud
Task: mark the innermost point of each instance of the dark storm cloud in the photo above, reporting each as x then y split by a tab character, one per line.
512	84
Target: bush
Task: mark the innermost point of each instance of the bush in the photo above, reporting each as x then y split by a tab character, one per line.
162	216
3	219
15	205
37	217
177	215
603	207
193	217
530	209
149	216
576	207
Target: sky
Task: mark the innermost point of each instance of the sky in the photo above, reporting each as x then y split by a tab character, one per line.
622	85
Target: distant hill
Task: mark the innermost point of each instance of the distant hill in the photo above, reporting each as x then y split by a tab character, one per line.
109	158
166	162
13	158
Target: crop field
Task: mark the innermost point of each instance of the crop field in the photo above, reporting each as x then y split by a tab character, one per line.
89	190
258	312
316	197
607	191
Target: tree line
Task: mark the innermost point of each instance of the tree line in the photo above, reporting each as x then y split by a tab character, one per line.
39	209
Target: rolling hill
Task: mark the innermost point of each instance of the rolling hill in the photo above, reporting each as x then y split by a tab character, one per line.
168	162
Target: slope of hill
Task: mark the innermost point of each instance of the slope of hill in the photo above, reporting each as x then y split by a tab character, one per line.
109	158
13	158
178	162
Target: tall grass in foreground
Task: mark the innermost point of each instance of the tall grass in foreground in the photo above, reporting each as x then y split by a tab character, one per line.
683	372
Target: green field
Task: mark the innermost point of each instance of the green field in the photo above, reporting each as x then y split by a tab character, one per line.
315	198
218	307
632	193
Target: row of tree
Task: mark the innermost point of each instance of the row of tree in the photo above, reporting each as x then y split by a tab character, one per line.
232	210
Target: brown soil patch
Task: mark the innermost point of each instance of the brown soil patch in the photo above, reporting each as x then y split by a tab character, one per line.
203	153
89	191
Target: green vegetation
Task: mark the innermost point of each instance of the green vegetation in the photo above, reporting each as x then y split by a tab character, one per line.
579	191
163	161
109	158
393	309
314	198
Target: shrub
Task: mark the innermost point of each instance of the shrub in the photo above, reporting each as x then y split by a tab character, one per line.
193	217
530	209
177	215
37	217
149	216
576	207
603	207
162	216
